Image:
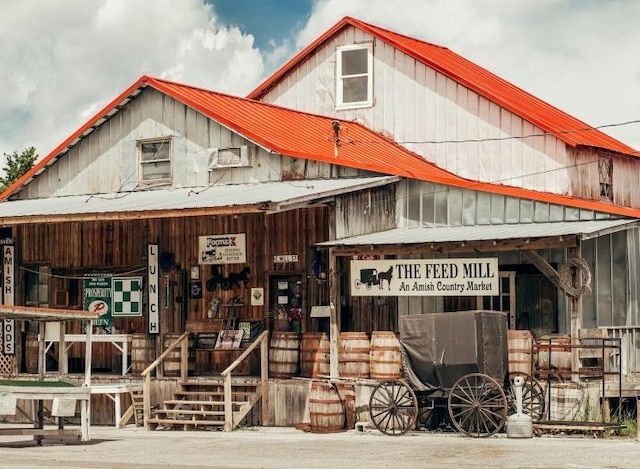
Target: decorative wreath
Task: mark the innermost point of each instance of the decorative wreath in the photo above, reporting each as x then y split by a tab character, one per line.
566	277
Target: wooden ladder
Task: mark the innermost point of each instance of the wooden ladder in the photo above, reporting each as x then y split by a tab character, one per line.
137	405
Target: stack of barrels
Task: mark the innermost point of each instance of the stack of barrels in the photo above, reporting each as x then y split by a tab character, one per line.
332	405
308	354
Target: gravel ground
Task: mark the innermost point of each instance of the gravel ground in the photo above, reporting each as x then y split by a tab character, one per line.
277	447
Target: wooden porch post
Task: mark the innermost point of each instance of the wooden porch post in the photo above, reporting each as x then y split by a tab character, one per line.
575	313
334	322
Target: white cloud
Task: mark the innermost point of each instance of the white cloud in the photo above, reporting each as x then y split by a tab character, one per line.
62	60
579	56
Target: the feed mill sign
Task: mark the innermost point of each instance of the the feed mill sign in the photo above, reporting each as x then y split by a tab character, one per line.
425	277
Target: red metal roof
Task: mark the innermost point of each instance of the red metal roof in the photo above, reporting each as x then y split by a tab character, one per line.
308	136
549	118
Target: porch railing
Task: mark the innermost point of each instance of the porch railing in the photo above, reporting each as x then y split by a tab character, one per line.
146	374
629	337
263	342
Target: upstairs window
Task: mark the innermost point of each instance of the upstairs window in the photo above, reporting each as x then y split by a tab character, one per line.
354	79
605	172
155	160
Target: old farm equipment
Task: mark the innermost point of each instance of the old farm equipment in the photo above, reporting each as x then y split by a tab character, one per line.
455	362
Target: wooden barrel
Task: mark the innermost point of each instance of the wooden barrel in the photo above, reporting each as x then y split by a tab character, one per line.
353	356
326	408
554	357
172	361
31	353
314	353
284	354
142	352
520	347
385	357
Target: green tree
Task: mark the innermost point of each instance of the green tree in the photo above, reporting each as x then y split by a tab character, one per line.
16	166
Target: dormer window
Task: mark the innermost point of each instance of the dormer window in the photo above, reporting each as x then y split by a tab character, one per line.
605	172
155	160
354	76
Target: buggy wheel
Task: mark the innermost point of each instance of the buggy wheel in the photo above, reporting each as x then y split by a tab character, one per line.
357	283
477	405
533	396
393	407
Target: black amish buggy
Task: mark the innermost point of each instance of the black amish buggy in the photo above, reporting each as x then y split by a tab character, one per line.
455	362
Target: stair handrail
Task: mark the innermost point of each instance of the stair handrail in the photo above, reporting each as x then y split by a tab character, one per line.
263	342
146	373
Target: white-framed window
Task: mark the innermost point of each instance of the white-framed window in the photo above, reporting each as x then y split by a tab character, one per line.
155	160
354	76
232	157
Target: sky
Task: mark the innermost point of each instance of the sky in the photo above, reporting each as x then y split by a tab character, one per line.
63	60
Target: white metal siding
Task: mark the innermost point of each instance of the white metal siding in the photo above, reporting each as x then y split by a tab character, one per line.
416	106
106	161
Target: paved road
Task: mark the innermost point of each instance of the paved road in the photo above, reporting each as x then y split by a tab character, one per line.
289	448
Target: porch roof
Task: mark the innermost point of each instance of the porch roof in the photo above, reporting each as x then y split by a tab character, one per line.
193	201
466	234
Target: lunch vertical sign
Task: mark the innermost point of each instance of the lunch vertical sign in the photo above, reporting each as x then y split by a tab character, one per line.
425	277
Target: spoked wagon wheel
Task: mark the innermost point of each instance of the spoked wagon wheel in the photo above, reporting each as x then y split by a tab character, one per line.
477	405
533	396
393	407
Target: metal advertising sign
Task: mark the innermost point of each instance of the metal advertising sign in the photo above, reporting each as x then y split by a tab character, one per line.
127	296
425	277
97	298
222	249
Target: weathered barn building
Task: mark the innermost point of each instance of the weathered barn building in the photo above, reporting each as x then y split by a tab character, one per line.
187	210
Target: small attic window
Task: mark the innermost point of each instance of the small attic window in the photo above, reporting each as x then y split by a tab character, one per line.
354	76
233	157
155	160
605	172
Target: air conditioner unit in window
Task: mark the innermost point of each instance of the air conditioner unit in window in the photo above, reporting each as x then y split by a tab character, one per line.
232	157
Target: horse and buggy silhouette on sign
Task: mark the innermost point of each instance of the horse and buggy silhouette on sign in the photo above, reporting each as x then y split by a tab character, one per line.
371	277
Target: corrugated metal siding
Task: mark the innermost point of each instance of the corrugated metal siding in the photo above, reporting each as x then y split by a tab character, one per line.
416	106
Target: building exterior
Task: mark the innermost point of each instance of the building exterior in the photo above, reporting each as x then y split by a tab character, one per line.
367	146
476	125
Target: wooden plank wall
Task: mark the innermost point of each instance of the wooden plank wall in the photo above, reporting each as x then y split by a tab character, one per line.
120	247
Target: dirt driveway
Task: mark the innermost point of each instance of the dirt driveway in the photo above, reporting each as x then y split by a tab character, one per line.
273	447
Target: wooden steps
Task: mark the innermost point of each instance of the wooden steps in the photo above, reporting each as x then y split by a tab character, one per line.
200	405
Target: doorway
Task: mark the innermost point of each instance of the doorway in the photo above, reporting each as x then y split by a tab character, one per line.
286	305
